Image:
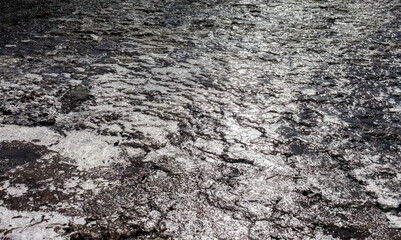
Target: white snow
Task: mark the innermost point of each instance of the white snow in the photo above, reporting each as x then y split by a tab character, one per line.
22	225
17	191
89	150
395	221
19	133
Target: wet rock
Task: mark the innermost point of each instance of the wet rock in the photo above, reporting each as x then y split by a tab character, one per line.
74	97
15	153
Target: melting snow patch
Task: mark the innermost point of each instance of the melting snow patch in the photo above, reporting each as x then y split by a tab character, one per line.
18	133
395	221
89	150
17	191
32	225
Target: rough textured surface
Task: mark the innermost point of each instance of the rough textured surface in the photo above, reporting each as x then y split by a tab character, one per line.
200	119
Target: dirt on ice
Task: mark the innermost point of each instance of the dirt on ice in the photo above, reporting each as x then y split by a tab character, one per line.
206	119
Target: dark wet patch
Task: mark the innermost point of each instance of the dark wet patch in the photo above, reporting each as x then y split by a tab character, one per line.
132	231
287	132
16	153
74	97
308	117
298	148
346	232
228	159
230	172
146	146
38	177
134	135
138	182
24	18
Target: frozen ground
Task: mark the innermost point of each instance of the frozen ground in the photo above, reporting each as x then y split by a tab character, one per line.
207	119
